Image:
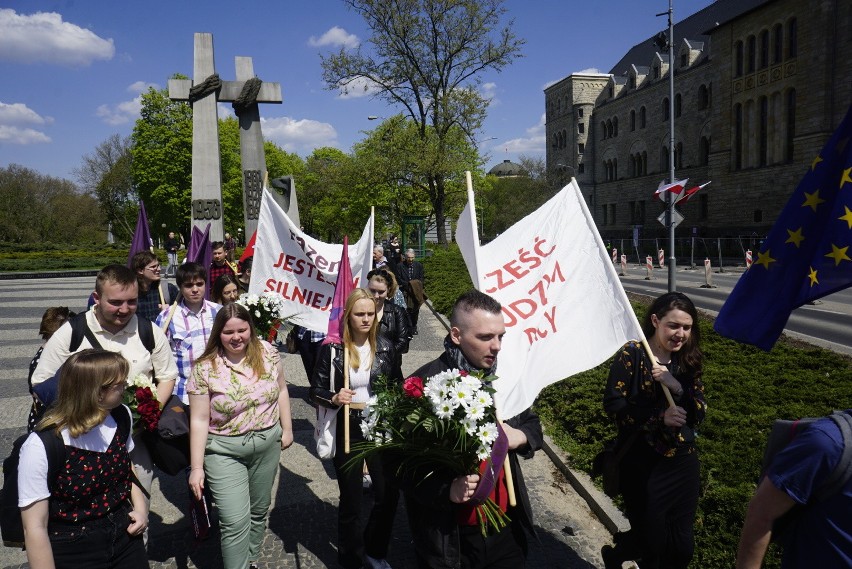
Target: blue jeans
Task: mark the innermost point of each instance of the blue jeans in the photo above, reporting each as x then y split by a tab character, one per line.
98	544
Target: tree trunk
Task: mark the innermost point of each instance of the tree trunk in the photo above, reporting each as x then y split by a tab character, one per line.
438	204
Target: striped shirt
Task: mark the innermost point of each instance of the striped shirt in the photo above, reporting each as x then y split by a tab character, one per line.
188	333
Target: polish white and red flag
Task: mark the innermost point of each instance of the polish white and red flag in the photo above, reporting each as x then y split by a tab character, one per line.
690	192
675	187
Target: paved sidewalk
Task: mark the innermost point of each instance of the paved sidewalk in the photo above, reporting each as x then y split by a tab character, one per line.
302	527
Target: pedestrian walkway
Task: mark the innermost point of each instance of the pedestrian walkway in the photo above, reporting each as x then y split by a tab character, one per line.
303	522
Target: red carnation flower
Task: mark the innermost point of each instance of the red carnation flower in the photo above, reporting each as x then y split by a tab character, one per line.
413	387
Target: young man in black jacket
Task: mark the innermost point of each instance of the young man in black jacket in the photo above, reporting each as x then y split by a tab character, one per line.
438	502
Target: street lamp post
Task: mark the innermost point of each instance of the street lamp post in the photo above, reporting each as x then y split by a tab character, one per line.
670	198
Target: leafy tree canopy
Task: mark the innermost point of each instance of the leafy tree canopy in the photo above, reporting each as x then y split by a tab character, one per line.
427	56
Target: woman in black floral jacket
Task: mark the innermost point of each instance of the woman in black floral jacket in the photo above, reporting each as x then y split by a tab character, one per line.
659	473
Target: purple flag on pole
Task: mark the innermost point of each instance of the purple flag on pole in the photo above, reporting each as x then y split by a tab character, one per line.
199	247
342	288
141	237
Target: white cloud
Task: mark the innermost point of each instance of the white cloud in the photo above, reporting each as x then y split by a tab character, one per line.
357	88
44	38
590	71
225	111
533	142
19	113
489	91
120	113
15	135
301	136
141	87
335	37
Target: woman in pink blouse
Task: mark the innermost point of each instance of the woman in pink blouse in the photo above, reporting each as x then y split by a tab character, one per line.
239	424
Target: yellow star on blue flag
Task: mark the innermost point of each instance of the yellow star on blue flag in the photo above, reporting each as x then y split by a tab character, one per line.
785	277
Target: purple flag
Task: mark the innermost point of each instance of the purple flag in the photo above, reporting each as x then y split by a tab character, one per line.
342	289
141	237
199	247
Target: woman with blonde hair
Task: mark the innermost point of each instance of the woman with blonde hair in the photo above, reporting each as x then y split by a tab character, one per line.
93	513
369	356
393	320
239	424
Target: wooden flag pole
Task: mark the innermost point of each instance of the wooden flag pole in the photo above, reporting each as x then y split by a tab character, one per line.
651	355
345	407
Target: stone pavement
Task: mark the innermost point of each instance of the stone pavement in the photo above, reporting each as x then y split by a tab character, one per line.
302	527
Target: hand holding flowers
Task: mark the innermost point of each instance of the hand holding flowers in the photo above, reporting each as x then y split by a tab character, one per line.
446	423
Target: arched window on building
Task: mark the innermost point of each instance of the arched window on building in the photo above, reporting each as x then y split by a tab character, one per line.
679	155
631	166
703	97
738	57
564	138
642	117
609	128
677	105
703	151
738	136
751	55
615	126
664	159
791	125
777	43
603	130
763	133
792	39
615	168
764	49
665	109
632	120
644	168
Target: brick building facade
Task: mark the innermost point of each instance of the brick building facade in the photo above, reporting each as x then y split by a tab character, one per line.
760	85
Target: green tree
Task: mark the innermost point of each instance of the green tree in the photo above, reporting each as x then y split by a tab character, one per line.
162	159
105	175
505	201
35	208
427	56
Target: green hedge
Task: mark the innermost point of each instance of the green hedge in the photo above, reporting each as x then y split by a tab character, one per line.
746	390
30	257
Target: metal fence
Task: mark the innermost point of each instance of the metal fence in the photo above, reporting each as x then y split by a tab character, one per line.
690	251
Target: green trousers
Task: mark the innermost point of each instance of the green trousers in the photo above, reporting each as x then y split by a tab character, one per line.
240	471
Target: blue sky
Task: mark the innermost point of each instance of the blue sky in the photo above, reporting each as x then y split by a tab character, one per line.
72	71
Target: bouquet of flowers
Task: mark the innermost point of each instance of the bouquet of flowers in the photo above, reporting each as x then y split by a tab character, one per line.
139	396
266	310
447	422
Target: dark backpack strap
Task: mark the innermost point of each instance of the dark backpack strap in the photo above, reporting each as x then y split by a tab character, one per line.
122	419
79	330
843	471
146	333
54	448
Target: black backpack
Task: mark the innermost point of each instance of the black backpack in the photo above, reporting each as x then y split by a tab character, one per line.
11	525
45	392
783	432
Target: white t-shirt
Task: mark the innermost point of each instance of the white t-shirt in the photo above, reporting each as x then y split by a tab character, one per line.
32	468
359	380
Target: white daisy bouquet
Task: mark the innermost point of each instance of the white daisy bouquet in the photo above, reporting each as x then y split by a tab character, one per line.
267	311
447	422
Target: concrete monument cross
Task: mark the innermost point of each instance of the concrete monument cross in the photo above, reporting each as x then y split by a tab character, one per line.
206	165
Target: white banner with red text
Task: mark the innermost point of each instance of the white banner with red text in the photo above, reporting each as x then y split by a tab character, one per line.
564	308
302	269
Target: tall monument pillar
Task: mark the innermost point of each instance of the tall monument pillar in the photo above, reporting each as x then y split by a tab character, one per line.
206	166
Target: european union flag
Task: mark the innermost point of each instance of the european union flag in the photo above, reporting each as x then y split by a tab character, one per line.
805	256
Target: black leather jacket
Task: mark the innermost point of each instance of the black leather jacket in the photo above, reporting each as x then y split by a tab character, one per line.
396	327
431	514
321	390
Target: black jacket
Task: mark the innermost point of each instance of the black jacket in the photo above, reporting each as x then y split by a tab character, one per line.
432	515
402	277
396	327
321	391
